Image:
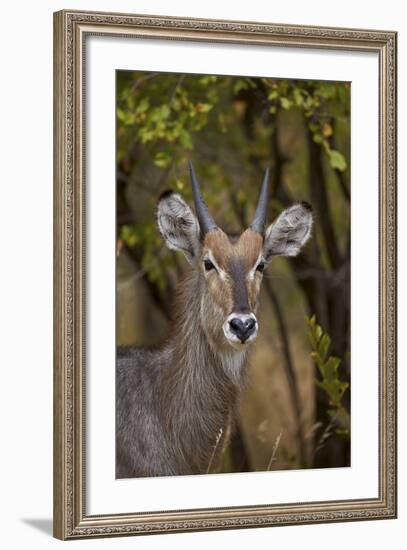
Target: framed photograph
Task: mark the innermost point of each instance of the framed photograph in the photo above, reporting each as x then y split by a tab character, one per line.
225	274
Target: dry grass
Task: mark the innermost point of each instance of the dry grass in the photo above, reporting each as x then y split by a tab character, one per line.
274	451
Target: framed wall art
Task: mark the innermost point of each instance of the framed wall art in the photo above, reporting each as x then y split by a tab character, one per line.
225	274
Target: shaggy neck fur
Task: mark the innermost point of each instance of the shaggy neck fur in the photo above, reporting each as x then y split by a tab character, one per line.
201	382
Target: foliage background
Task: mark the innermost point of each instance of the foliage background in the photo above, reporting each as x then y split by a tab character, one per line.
295	412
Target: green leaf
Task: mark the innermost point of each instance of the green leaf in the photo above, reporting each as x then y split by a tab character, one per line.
343	432
203	107
318	361
121	114
312	320
331	367
129	235
311	333
162	159
337	160
239	85
143	106
298	97
323	346
318	333
206	80
329	380
286	103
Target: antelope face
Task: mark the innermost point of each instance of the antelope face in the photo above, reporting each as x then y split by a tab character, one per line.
233	272
231	268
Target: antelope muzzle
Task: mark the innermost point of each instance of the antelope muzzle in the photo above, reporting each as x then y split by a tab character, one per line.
240	328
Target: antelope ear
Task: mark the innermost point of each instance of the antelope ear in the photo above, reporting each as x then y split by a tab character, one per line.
178	225
289	232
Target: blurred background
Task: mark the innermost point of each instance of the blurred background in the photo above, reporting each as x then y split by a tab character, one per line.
295	412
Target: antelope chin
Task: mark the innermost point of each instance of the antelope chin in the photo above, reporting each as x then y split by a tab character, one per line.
239	346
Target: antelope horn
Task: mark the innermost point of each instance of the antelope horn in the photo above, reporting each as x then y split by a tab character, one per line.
206	222
259	220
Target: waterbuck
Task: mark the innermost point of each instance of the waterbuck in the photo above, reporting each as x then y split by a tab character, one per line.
175	404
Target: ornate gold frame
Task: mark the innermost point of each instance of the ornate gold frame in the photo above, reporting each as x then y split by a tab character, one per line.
70	31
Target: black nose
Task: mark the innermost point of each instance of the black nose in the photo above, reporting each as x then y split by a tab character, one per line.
242	328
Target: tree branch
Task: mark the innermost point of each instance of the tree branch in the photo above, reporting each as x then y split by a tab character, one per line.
320	200
289	371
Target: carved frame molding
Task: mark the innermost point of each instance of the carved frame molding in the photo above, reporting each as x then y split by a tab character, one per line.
70	31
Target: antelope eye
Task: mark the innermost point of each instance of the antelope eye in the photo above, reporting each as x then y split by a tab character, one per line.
260	267
208	265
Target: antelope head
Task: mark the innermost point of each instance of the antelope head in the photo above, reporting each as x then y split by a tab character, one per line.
230	268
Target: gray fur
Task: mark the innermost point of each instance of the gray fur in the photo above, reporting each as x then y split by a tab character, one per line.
172	403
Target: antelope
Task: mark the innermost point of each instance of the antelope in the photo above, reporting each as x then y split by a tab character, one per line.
173	404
